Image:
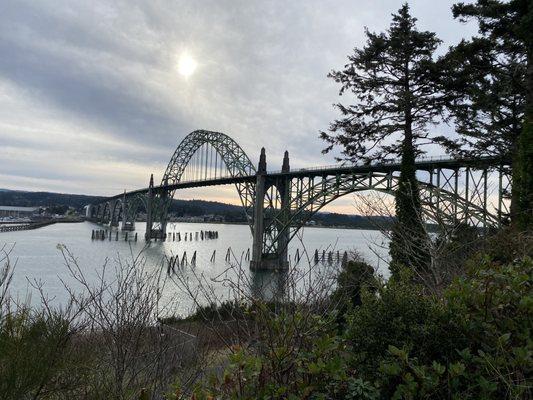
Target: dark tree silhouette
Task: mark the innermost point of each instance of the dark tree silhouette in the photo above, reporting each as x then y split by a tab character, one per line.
490	83
395	80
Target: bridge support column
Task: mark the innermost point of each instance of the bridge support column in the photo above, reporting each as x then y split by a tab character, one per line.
128	219
113	219
163	212
149	205
89	210
278	259
284	189
257	232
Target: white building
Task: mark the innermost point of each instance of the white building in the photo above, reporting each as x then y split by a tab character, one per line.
18	212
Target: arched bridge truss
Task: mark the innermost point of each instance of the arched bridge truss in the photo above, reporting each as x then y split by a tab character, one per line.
278	204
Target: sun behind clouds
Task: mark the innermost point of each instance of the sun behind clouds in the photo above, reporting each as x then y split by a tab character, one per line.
186	65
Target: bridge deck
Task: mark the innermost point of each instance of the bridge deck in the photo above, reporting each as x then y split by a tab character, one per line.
421	164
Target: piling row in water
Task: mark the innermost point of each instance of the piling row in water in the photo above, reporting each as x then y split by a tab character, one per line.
174	261
330	256
102	234
99	234
190	236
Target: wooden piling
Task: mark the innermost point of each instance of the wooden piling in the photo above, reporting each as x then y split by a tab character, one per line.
316	256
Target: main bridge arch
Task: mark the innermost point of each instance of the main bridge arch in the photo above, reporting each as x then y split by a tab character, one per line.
226	151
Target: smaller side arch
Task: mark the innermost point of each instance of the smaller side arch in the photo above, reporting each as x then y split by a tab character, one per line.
314	197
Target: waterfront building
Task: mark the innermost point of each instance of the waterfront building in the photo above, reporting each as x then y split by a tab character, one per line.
18	212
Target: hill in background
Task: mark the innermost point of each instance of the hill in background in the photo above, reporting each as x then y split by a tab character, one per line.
180	208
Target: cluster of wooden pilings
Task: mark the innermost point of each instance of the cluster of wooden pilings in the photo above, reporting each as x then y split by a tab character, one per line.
175	262
330	256
189	236
102	234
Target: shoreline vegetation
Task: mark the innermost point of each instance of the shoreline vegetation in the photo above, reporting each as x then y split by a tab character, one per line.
468	333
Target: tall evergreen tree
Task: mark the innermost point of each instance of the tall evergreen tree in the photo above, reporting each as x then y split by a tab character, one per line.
491	82
393	78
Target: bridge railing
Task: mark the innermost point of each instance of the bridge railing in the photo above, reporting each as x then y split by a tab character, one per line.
396	161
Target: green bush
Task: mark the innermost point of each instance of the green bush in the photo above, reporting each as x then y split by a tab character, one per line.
400	314
31	361
296	356
475	343
355	276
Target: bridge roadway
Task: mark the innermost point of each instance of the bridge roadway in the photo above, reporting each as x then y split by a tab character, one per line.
428	164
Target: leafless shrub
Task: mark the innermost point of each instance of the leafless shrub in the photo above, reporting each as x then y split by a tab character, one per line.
33	341
243	318
128	350
6	276
448	245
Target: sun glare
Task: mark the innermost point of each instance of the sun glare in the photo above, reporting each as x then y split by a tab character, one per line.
186	65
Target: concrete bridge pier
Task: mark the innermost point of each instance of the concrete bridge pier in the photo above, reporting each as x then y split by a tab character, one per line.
284	189
279	258
128	220
149	205
258	221
113	217
163	212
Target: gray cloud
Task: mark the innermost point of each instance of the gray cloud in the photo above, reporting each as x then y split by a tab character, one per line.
90	94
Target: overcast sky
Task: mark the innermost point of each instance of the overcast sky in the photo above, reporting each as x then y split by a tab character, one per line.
91	99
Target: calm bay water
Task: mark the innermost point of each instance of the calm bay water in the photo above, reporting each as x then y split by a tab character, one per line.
38	258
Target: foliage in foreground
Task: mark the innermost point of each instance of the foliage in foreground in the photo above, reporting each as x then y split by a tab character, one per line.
401	343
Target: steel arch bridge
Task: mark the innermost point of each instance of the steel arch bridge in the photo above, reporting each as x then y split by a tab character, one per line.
279	203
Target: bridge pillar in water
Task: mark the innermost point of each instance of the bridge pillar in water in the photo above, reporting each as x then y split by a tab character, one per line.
128	220
277	259
257	231
113	218
163	212
89	210
149	205
284	189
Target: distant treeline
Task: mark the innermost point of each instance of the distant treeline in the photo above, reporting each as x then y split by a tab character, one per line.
180	208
